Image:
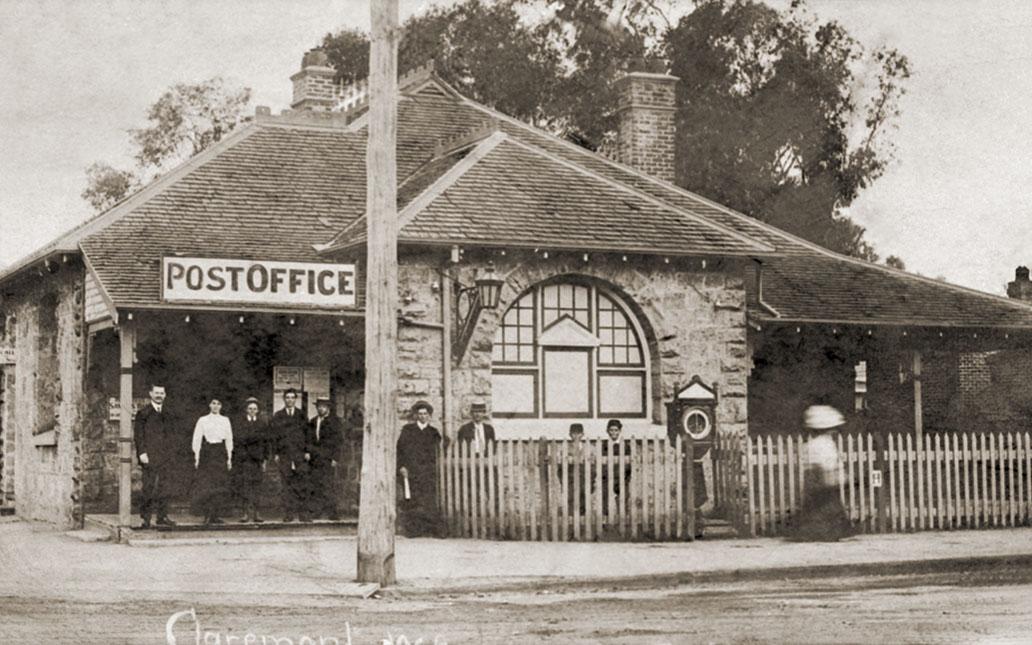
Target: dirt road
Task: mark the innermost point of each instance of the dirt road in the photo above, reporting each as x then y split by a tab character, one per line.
988	606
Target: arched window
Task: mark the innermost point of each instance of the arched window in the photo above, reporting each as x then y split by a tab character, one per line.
569	350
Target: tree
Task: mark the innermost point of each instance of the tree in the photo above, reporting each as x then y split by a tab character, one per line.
106	186
779	116
772	120
483	49
184	121
895	262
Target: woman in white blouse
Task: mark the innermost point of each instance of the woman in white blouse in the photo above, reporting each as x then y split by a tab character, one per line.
213	458
821	516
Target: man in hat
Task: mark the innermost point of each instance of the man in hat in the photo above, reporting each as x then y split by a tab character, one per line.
417	471
288	444
250	451
323	442
153	434
477	432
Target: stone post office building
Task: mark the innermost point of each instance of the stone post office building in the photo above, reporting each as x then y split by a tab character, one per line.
240	273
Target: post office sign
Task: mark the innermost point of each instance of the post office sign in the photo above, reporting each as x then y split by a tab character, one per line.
216	280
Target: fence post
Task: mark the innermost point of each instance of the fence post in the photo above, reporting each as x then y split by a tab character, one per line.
876	446
687	451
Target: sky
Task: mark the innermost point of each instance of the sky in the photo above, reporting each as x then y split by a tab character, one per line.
77	74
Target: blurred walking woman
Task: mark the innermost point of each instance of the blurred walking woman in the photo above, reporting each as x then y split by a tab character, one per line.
213	458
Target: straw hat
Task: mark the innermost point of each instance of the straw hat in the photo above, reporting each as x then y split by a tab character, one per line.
822	417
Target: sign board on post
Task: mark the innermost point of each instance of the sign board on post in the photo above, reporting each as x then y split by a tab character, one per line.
217	280
876	480
285	378
7	356
114	409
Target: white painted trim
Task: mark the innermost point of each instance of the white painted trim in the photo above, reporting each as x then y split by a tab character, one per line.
112	310
445	181
566	332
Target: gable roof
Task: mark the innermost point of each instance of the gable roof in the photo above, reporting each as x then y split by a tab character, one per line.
293	188
503	192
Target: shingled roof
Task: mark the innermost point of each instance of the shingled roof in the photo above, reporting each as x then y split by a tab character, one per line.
293	188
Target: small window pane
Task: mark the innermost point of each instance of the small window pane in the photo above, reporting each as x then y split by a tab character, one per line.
621	394
513	393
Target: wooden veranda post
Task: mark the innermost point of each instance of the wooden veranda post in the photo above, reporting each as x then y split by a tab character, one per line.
127	345
377	511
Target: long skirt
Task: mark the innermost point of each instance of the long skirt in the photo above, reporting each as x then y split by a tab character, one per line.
822	517
420	515
212	480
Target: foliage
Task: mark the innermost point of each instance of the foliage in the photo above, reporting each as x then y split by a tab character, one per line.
184	121
772	117
483	49
187	119
895	262
105	186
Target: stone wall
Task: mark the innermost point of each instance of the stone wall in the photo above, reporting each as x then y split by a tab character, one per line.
99	435
44	402
693	318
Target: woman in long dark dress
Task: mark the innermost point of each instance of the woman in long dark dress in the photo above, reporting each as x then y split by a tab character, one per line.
822	517
213	459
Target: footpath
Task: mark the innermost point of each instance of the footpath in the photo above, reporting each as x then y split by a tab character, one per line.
40	560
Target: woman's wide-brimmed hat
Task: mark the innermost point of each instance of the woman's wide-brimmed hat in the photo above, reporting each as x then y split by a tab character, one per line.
822	417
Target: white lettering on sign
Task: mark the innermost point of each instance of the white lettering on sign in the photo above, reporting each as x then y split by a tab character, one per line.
7	356
256	281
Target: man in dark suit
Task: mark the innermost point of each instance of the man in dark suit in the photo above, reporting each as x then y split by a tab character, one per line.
288	445
417	466
323	442
250	451
477	432
153	434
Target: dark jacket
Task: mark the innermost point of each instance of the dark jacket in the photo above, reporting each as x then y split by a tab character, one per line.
250	439
287	435
153	434
417	451
331	438
467	432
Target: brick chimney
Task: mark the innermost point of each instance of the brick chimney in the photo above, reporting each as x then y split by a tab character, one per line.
314	88
1021	287
646	109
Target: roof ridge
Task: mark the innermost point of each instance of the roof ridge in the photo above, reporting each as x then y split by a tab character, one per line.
818	249
442	183
355	95
447	145
114	213
646	196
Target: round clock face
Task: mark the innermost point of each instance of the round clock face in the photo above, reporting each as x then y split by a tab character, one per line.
696	423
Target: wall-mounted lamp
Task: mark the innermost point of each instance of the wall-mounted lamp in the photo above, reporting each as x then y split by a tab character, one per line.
485	293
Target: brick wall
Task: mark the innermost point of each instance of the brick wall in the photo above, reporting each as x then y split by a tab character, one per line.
314	89
646	128
974	376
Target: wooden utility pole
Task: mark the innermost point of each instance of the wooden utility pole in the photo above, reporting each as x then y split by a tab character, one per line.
377	510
